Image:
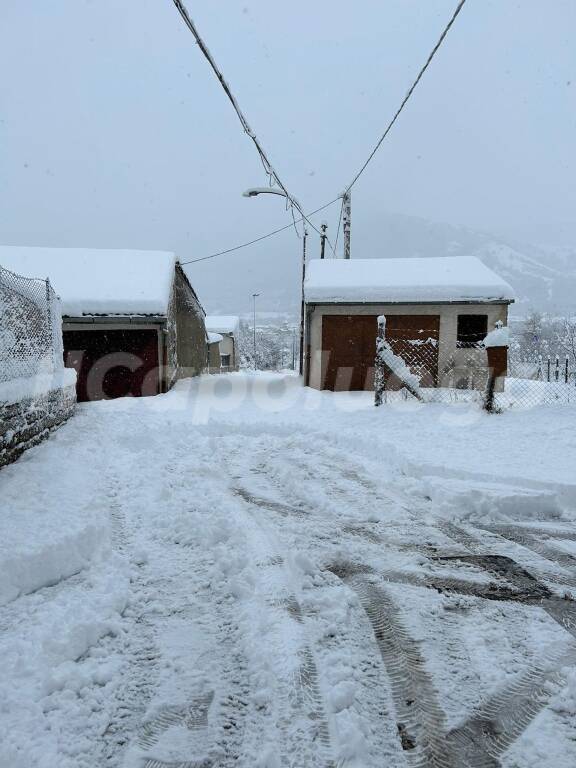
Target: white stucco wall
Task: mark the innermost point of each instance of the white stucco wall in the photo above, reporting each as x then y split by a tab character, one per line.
448	326
228	347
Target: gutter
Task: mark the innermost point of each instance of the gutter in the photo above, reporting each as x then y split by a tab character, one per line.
351	302
114	320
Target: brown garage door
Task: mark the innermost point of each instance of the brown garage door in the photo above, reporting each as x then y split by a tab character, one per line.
415	339
113	363
349	348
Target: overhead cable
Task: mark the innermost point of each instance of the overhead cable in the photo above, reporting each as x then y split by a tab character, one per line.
408	94
264	237
268	167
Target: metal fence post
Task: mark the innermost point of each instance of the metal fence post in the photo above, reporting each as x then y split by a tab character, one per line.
557	369
548	369
566	370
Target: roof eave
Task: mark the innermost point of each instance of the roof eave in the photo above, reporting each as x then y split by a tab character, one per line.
336	302
134	319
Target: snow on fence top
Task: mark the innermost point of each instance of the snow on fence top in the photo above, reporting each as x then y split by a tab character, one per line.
442	279
223	324
99	282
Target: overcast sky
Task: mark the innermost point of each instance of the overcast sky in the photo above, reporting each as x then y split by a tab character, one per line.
115	133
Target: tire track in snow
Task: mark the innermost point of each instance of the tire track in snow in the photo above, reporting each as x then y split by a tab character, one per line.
561	610
194	717
491	729
478	546
502	719
421	722
480	741
140	647
496	725
306	685
207	763
231	707
286	510
526	539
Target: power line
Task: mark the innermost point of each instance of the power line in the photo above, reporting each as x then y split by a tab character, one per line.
408	95
264	237
268	167
293	203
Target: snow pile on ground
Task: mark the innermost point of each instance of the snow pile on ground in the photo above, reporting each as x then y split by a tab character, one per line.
51	676
52	523
24	388
488	502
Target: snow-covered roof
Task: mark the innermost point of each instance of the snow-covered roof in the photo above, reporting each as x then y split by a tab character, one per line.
443	279
223	324
99	282
214	338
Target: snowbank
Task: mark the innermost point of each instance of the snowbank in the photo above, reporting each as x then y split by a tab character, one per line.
52	523
478	501
29	387
445	279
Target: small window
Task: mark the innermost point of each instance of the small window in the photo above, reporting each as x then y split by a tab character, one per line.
472	330
225	361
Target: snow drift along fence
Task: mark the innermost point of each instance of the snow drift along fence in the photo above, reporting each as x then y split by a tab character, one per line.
30	327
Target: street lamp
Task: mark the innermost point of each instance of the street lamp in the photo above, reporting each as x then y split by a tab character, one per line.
254	297
254	192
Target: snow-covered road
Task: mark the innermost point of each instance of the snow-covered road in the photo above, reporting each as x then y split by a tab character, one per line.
262	579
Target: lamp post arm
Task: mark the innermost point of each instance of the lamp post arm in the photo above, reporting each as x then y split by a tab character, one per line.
255	191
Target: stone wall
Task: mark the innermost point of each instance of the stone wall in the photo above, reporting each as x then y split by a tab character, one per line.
26	423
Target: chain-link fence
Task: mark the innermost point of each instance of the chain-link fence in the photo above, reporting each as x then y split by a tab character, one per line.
467	372
542	382
446	374
30	327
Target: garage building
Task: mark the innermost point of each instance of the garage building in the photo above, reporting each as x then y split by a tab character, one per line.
132	323
438	311
228	328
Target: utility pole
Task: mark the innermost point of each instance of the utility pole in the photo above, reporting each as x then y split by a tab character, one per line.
304	238
346	217
323	227
254	297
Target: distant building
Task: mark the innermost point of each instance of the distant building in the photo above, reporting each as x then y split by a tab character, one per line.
227	326
214	362
132	323
438	311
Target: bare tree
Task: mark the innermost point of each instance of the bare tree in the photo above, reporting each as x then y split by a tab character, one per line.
566	338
